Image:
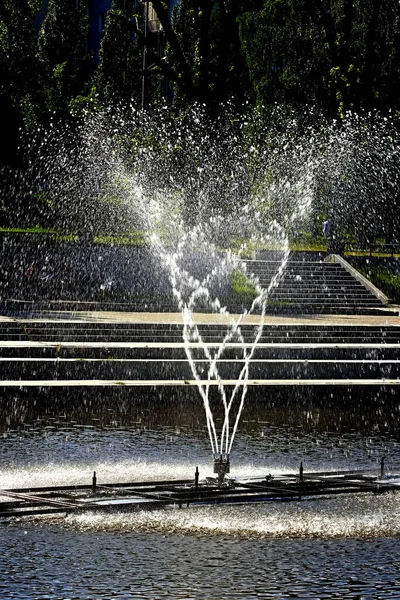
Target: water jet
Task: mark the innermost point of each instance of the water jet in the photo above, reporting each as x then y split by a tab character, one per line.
208	209
221	467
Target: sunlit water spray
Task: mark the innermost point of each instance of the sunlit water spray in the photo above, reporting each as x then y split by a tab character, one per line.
194	295
206	194
225	228
357	516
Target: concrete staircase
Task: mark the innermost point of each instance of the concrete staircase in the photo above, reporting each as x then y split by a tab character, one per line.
86	350
315	287
82	333
66	353
306	287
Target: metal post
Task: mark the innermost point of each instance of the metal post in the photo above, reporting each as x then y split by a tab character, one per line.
94	483
301	471
196	479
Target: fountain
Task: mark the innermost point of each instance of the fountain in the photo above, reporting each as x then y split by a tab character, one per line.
203	196
175	195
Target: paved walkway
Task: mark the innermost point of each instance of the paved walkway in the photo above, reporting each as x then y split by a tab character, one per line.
208	318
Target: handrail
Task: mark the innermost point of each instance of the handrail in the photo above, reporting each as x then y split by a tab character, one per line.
335	258
378	247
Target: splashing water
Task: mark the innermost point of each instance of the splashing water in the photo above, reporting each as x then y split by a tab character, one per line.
204	195
356	516
191	293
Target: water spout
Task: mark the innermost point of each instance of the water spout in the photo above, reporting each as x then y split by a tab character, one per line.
221	467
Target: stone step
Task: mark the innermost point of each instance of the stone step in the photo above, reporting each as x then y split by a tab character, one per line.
302	293
344	301
278	308
155	332
108	366
67	322
313	286
167	369
328	268
320	269
149	330
206	339
310	279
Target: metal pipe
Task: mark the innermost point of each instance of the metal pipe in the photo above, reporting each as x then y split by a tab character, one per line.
94	483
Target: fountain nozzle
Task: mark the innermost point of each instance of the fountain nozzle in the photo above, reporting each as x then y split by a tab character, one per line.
221	466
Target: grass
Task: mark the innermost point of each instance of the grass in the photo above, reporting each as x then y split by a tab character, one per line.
305	242
373	253
41	231
35	229
241	284
244	291
387	282
133	239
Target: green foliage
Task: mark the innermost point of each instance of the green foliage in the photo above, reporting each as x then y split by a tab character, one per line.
61	53
242	285
84	103
338	55
37	229
307	241
284	53
385	281
203	63
19	95
128	239
118	78
335	56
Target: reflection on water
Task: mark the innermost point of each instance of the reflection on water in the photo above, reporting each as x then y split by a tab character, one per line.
67	453
343	547
53	563
57	451
359	515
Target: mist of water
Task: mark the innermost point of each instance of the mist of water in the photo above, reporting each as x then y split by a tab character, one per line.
205	194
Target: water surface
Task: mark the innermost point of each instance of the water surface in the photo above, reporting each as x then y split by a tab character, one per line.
344	547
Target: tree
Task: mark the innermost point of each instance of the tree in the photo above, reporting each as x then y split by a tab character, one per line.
376	54
338	55
19	92
284	45
204	61
119	74
62	53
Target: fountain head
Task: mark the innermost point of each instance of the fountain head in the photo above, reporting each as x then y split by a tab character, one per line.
221	466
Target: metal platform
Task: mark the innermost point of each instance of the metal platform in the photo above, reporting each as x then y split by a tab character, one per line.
148	495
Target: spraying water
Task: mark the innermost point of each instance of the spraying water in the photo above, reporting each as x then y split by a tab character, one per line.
205	194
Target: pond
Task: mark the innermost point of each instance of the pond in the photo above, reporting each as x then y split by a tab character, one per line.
340	547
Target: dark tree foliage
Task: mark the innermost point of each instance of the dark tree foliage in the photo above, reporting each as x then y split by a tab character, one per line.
19	93
62	53
282	43
119	76
338	55
332	55
205	62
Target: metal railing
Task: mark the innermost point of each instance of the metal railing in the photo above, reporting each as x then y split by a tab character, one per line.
375	248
